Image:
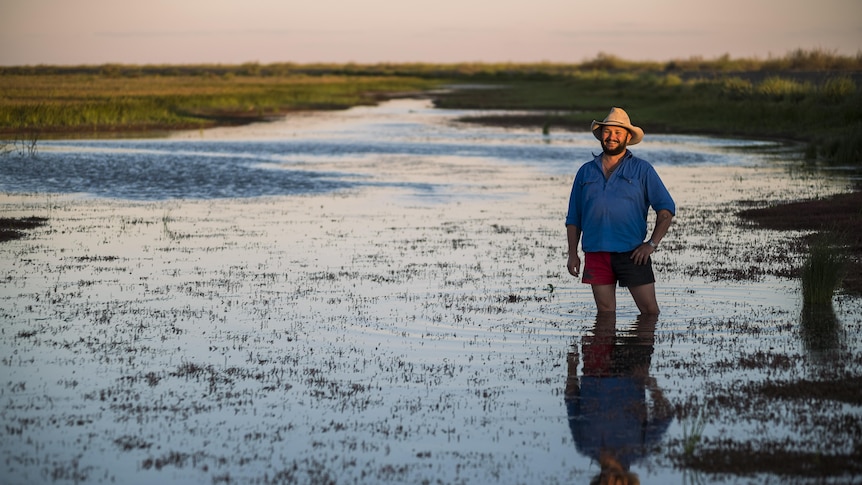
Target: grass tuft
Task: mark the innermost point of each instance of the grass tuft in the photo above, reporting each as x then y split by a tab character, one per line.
822	271
692	433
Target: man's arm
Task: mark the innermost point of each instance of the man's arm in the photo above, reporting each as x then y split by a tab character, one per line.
663	219
573	234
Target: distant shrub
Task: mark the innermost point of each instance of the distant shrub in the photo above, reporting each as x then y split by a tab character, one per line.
250	69
661	80
812	60
736	88
670	80
605	62
111	70
838	88
779	89
594	76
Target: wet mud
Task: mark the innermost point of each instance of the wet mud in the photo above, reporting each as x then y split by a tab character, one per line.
839	216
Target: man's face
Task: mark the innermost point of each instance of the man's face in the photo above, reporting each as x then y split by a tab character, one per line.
614	139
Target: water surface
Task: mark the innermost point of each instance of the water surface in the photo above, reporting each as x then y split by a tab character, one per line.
379	295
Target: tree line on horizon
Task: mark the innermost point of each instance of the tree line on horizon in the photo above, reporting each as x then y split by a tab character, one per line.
811	60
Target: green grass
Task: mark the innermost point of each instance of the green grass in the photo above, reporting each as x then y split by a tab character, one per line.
80	102
692	433
822	271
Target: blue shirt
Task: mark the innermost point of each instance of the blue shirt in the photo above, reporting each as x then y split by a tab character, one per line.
612	213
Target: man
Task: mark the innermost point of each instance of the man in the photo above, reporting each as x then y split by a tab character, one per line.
610	199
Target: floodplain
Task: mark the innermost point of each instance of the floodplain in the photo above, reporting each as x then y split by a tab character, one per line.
379	295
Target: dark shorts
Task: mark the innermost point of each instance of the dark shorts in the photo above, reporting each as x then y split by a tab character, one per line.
612	268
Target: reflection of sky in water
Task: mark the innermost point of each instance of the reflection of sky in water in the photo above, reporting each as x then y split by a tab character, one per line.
302	156
158	175
436	330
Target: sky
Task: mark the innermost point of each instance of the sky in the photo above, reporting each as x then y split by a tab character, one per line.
77	32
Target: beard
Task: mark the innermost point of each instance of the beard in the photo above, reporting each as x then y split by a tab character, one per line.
619	149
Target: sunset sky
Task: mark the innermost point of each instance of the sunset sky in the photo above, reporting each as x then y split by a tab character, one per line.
71	32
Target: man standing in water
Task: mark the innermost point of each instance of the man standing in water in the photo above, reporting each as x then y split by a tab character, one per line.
610	198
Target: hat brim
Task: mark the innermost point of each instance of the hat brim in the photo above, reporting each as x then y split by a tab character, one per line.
637	133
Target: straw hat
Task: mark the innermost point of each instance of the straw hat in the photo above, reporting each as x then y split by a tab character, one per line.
618	117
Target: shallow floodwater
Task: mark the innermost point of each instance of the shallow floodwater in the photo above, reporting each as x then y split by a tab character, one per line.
379	296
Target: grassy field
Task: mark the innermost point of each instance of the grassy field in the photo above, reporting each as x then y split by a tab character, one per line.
117	101
809	96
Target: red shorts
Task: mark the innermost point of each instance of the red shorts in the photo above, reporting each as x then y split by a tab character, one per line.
604	268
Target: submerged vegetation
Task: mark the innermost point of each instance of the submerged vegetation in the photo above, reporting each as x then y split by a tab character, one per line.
808	95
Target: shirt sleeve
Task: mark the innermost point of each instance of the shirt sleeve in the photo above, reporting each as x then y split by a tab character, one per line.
573	216
657	194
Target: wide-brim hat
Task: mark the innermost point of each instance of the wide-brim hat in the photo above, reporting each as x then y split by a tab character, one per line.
618	117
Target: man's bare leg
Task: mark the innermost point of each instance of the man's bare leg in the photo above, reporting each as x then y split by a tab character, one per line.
644	296
606	297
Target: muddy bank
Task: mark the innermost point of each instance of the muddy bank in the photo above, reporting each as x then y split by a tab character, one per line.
840	215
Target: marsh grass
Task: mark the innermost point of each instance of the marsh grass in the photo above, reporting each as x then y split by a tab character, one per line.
845	149
75	102
692	433
822	271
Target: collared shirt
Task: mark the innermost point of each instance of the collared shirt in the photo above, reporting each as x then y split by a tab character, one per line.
612	212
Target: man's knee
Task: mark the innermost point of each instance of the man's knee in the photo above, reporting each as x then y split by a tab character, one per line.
651	309
645	299
605	306
605	296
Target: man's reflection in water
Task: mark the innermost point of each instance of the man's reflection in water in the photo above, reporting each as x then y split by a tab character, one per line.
611	419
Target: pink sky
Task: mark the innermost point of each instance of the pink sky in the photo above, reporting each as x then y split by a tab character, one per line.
71	32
